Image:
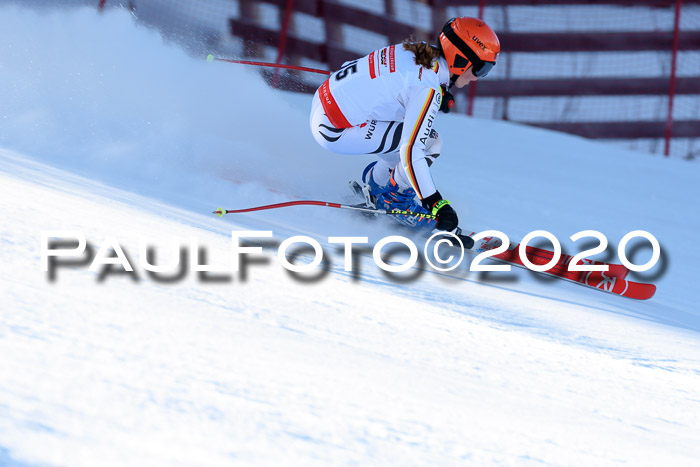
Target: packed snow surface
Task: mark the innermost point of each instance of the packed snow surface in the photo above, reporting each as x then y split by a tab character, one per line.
108	130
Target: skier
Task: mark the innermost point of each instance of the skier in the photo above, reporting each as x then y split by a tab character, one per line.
386	104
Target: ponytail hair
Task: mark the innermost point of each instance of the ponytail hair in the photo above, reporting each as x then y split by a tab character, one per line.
424	53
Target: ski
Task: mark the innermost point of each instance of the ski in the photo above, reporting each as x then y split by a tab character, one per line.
612	281
540	256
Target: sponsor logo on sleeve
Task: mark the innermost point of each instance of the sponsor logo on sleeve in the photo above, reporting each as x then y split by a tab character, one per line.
392	59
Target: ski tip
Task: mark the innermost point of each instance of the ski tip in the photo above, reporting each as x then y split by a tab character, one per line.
210	58
641	291
219	212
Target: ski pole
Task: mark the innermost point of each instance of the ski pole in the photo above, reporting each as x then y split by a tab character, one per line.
391	212
211	58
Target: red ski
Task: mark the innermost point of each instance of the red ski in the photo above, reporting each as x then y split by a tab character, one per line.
611	281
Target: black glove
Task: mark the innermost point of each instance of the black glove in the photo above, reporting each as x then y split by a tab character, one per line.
448	100
445	216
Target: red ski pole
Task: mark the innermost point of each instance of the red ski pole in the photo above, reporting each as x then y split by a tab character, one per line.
211	58
392	212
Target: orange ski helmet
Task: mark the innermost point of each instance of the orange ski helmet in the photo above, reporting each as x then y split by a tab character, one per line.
469	42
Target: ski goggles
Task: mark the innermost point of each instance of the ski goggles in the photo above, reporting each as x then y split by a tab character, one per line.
480	68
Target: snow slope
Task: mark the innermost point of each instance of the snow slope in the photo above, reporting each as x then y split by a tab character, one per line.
111	131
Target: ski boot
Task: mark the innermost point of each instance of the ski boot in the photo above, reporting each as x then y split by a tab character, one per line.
392	197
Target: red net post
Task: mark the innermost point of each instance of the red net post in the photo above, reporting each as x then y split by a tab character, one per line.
283	39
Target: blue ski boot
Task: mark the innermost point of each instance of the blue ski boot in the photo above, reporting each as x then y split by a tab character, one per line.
392	197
